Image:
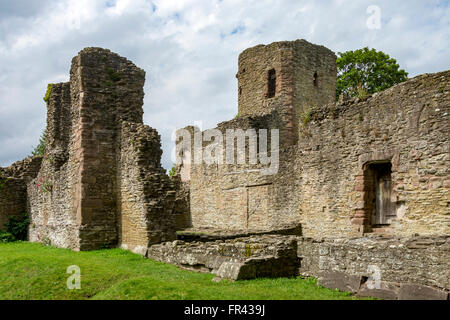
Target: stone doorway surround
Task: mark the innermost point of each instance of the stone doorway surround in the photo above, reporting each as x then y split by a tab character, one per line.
362	215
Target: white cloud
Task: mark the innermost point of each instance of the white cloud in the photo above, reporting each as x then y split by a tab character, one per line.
189	50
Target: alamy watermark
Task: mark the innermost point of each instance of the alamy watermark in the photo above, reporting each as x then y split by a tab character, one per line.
74	281
374	20
232	147
374	280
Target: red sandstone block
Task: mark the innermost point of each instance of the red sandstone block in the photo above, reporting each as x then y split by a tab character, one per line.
360	214
358	221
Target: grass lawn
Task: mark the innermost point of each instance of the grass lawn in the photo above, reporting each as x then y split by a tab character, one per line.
33	271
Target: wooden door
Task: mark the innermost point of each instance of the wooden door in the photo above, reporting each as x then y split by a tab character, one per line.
384	207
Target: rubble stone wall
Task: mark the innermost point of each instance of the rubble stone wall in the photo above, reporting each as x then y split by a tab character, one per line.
13	190
76	201
417	267
146	196
407	126
239	196
252	257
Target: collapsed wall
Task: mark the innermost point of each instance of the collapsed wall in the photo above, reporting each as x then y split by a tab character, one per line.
144	188
77	200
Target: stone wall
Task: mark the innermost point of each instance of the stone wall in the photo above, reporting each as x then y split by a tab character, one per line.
77	200
407	126
386	268
238	259
326	177
407	268
305	77
13	191
239	196
146	196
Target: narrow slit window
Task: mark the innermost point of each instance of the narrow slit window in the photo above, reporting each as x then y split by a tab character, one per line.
316	80
272	83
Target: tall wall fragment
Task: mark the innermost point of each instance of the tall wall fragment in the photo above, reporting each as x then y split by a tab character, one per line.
76	200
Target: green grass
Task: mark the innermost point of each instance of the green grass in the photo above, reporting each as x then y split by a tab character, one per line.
34	271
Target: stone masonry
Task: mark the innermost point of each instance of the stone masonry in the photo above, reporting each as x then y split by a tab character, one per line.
101	183
359	197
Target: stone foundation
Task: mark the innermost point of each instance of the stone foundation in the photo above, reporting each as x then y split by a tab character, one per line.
417	268
413	268
238	259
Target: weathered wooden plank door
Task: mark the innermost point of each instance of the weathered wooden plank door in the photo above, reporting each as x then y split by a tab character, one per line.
384	207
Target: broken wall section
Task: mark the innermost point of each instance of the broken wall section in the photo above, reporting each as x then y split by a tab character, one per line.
52	218
73	201
106	89
146	195
13	190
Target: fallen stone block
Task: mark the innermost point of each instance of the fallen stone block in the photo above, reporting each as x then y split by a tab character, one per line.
340	280
385	291
411	291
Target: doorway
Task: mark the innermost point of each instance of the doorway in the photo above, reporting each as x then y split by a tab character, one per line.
378	194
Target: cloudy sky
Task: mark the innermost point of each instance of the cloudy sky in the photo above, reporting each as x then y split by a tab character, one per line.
189	49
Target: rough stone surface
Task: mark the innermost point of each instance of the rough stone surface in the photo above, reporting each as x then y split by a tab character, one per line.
101	183
407	126
339	280
236	259
396	262
13	191
324	179
419	292
295	64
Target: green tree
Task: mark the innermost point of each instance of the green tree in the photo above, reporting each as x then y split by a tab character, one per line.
40	148
367	70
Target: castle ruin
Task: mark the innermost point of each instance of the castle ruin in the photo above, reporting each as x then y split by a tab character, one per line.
359	198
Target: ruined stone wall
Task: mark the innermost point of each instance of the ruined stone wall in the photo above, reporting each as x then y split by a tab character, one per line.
182	202
13	192
305	77
146	195
408	126
110	90
77	201
263	256
238	196
408	268
52	218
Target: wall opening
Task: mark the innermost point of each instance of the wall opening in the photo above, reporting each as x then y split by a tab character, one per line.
380	209
316	79
272	83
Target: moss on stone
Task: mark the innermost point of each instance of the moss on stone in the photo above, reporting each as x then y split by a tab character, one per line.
248	251
48	93
114	75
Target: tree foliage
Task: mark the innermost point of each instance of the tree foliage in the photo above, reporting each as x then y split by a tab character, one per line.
40	148
367	70
16	228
